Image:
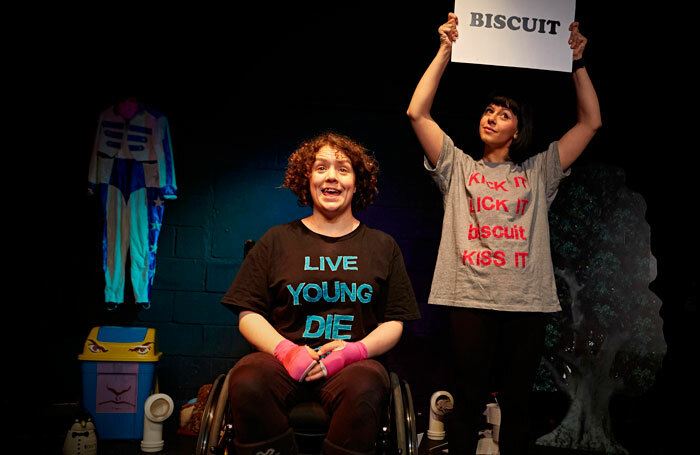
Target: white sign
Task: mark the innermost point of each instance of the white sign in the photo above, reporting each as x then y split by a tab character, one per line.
520	33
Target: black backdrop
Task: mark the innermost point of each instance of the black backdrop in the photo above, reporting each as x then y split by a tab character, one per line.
229	69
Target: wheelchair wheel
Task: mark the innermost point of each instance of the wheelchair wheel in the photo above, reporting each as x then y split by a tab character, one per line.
217	444
208	415
401	438
410	419
397	427
397	439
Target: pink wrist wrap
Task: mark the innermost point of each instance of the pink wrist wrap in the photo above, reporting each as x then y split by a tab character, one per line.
336	360
295	358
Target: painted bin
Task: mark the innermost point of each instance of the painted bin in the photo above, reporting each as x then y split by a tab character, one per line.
119	369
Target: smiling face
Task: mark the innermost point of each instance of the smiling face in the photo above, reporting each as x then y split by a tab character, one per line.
498	126
332	183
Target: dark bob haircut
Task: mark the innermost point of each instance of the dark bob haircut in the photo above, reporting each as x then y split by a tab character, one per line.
364	166
520	146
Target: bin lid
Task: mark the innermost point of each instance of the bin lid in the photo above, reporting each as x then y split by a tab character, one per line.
121	344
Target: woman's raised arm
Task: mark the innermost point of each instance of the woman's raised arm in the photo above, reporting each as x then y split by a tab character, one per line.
574	141
427	130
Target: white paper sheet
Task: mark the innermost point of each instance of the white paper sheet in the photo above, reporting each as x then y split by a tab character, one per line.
495	32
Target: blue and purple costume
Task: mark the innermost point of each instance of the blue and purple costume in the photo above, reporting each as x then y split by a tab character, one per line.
132	171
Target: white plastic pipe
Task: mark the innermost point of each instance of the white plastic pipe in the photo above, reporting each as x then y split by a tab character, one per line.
158	407
436	425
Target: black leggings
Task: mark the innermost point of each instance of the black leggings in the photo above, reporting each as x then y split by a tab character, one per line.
483	342
262	392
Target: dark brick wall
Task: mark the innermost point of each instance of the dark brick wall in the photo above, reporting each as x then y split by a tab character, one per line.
200	251
240	93
232	196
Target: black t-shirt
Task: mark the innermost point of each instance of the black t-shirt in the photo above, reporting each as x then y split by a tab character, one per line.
314	288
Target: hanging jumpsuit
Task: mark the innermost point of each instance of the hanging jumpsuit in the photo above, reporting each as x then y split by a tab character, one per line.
131	169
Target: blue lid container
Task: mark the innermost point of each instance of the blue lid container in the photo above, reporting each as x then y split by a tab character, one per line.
118	369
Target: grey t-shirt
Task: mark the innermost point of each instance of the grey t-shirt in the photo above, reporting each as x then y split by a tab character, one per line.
494	251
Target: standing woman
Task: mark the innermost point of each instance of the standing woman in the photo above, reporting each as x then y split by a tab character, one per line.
321	299
494	267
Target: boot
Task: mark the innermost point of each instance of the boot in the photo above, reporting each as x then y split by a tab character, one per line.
284	444
332	449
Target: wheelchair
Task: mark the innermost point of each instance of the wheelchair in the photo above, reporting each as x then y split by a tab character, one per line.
309	421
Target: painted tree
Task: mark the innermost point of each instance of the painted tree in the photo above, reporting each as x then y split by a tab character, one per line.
609	337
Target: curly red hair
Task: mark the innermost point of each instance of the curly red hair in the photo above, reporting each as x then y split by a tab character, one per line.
364	166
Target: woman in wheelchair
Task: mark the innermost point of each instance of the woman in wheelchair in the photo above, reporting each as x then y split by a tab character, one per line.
320	299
